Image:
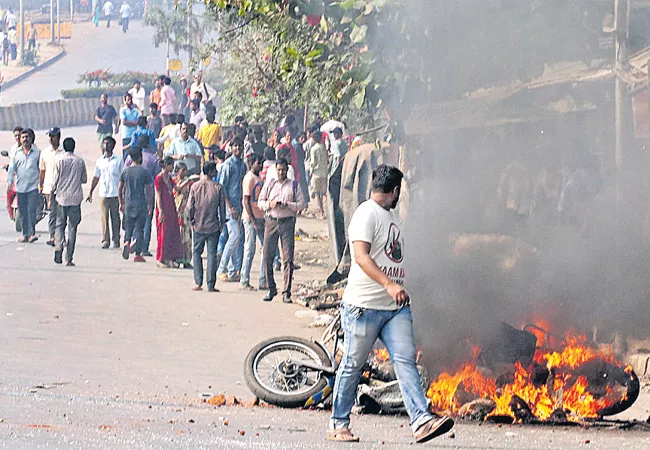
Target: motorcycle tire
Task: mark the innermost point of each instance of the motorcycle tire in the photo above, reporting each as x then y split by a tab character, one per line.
18	221
275	397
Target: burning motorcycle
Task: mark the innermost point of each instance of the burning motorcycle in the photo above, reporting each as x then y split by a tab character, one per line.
294	372
12	202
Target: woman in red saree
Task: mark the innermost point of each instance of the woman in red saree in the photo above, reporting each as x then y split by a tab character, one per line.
170	247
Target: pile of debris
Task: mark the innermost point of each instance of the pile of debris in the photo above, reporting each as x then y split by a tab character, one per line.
320	296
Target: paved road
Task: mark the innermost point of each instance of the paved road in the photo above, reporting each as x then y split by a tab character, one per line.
91	48
123	353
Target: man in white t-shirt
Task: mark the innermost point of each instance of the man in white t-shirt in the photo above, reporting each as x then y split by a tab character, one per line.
139	95
125	15
108	9
375	305
49	156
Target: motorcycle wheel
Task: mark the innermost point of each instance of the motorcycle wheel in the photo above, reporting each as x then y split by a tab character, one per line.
18	221
271	375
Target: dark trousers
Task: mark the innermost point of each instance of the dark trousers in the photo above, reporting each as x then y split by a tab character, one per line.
147	233
125	24
284	230
200	241
27	207
14	51
67	217
31	44
110	210
51	220
108	21
134	224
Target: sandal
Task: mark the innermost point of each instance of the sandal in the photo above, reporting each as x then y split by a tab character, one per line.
33	239
341	435
197	288
432	429
22	239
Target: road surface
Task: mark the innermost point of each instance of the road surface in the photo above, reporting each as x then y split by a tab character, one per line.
91	48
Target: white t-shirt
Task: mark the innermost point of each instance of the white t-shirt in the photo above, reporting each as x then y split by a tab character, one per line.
125	11
381	229
139	99
12	20
108	8
49	157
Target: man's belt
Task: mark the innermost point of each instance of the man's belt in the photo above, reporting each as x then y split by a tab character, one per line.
281	220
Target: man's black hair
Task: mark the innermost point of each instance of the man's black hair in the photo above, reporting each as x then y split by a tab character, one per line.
337	132
168	81
257	133
153	105
127	94
162	78
180	165
136	82
290	119
30	133
218	153
269	153
211	109
69	145
238	142
191	129
317	135
143	141
282	162
173	117
239	119
210	116
136	154
253	158
18	129
110	142
180	118
284	153
142	121
209	167
386	178
168	160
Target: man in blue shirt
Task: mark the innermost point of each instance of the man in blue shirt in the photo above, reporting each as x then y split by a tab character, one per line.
142	130
186	149
129	117
25	165
231	177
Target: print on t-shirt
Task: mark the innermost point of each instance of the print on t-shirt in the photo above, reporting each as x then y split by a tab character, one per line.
393	247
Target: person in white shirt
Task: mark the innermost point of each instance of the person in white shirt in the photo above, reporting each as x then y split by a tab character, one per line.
49	156
197	115
376	303
11	20
207	91
139	95
108	12
125	15
107	172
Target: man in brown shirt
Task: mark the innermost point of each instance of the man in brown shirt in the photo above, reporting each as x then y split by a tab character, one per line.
207	213
281	200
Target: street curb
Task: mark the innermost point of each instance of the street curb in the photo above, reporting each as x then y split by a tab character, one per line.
33	70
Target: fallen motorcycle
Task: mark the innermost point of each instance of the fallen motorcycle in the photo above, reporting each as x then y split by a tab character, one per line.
12	202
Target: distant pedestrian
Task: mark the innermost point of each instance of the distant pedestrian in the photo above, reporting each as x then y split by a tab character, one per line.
6	48
167	229
154	122
25	165
97	14
106	117
108	169
184	100
338	150
139	95
125	16
318	163
170	132
154	96
231	177
129	117
108	12
197	115
206	212
13	43
11	20
259	145
67	193
281	200
167	100
31	38
149	162
136	201
209	131
142	130
49	157
208	93
182	185
253	218
186	149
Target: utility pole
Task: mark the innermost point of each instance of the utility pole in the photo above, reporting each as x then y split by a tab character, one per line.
71	11
189	34
22	30
58	22
622	20
52	19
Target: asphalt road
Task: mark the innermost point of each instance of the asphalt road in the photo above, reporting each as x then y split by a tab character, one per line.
90	48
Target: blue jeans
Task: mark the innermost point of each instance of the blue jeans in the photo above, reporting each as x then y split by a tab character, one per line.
134	225
27	207
362	327
250	239
200	241
231	257
223	238
147	234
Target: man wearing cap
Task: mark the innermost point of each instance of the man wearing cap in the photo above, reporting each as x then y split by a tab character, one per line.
207	91
49	156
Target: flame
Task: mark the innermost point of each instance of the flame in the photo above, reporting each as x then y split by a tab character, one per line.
562	391
381	354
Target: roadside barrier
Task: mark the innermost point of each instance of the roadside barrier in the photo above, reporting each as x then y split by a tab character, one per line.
43	115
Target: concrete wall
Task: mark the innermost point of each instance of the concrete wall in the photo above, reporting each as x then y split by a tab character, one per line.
43	115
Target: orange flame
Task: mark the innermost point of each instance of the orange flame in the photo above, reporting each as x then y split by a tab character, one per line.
381	354
562	393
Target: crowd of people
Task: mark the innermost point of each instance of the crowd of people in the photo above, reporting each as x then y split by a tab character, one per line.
202	185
